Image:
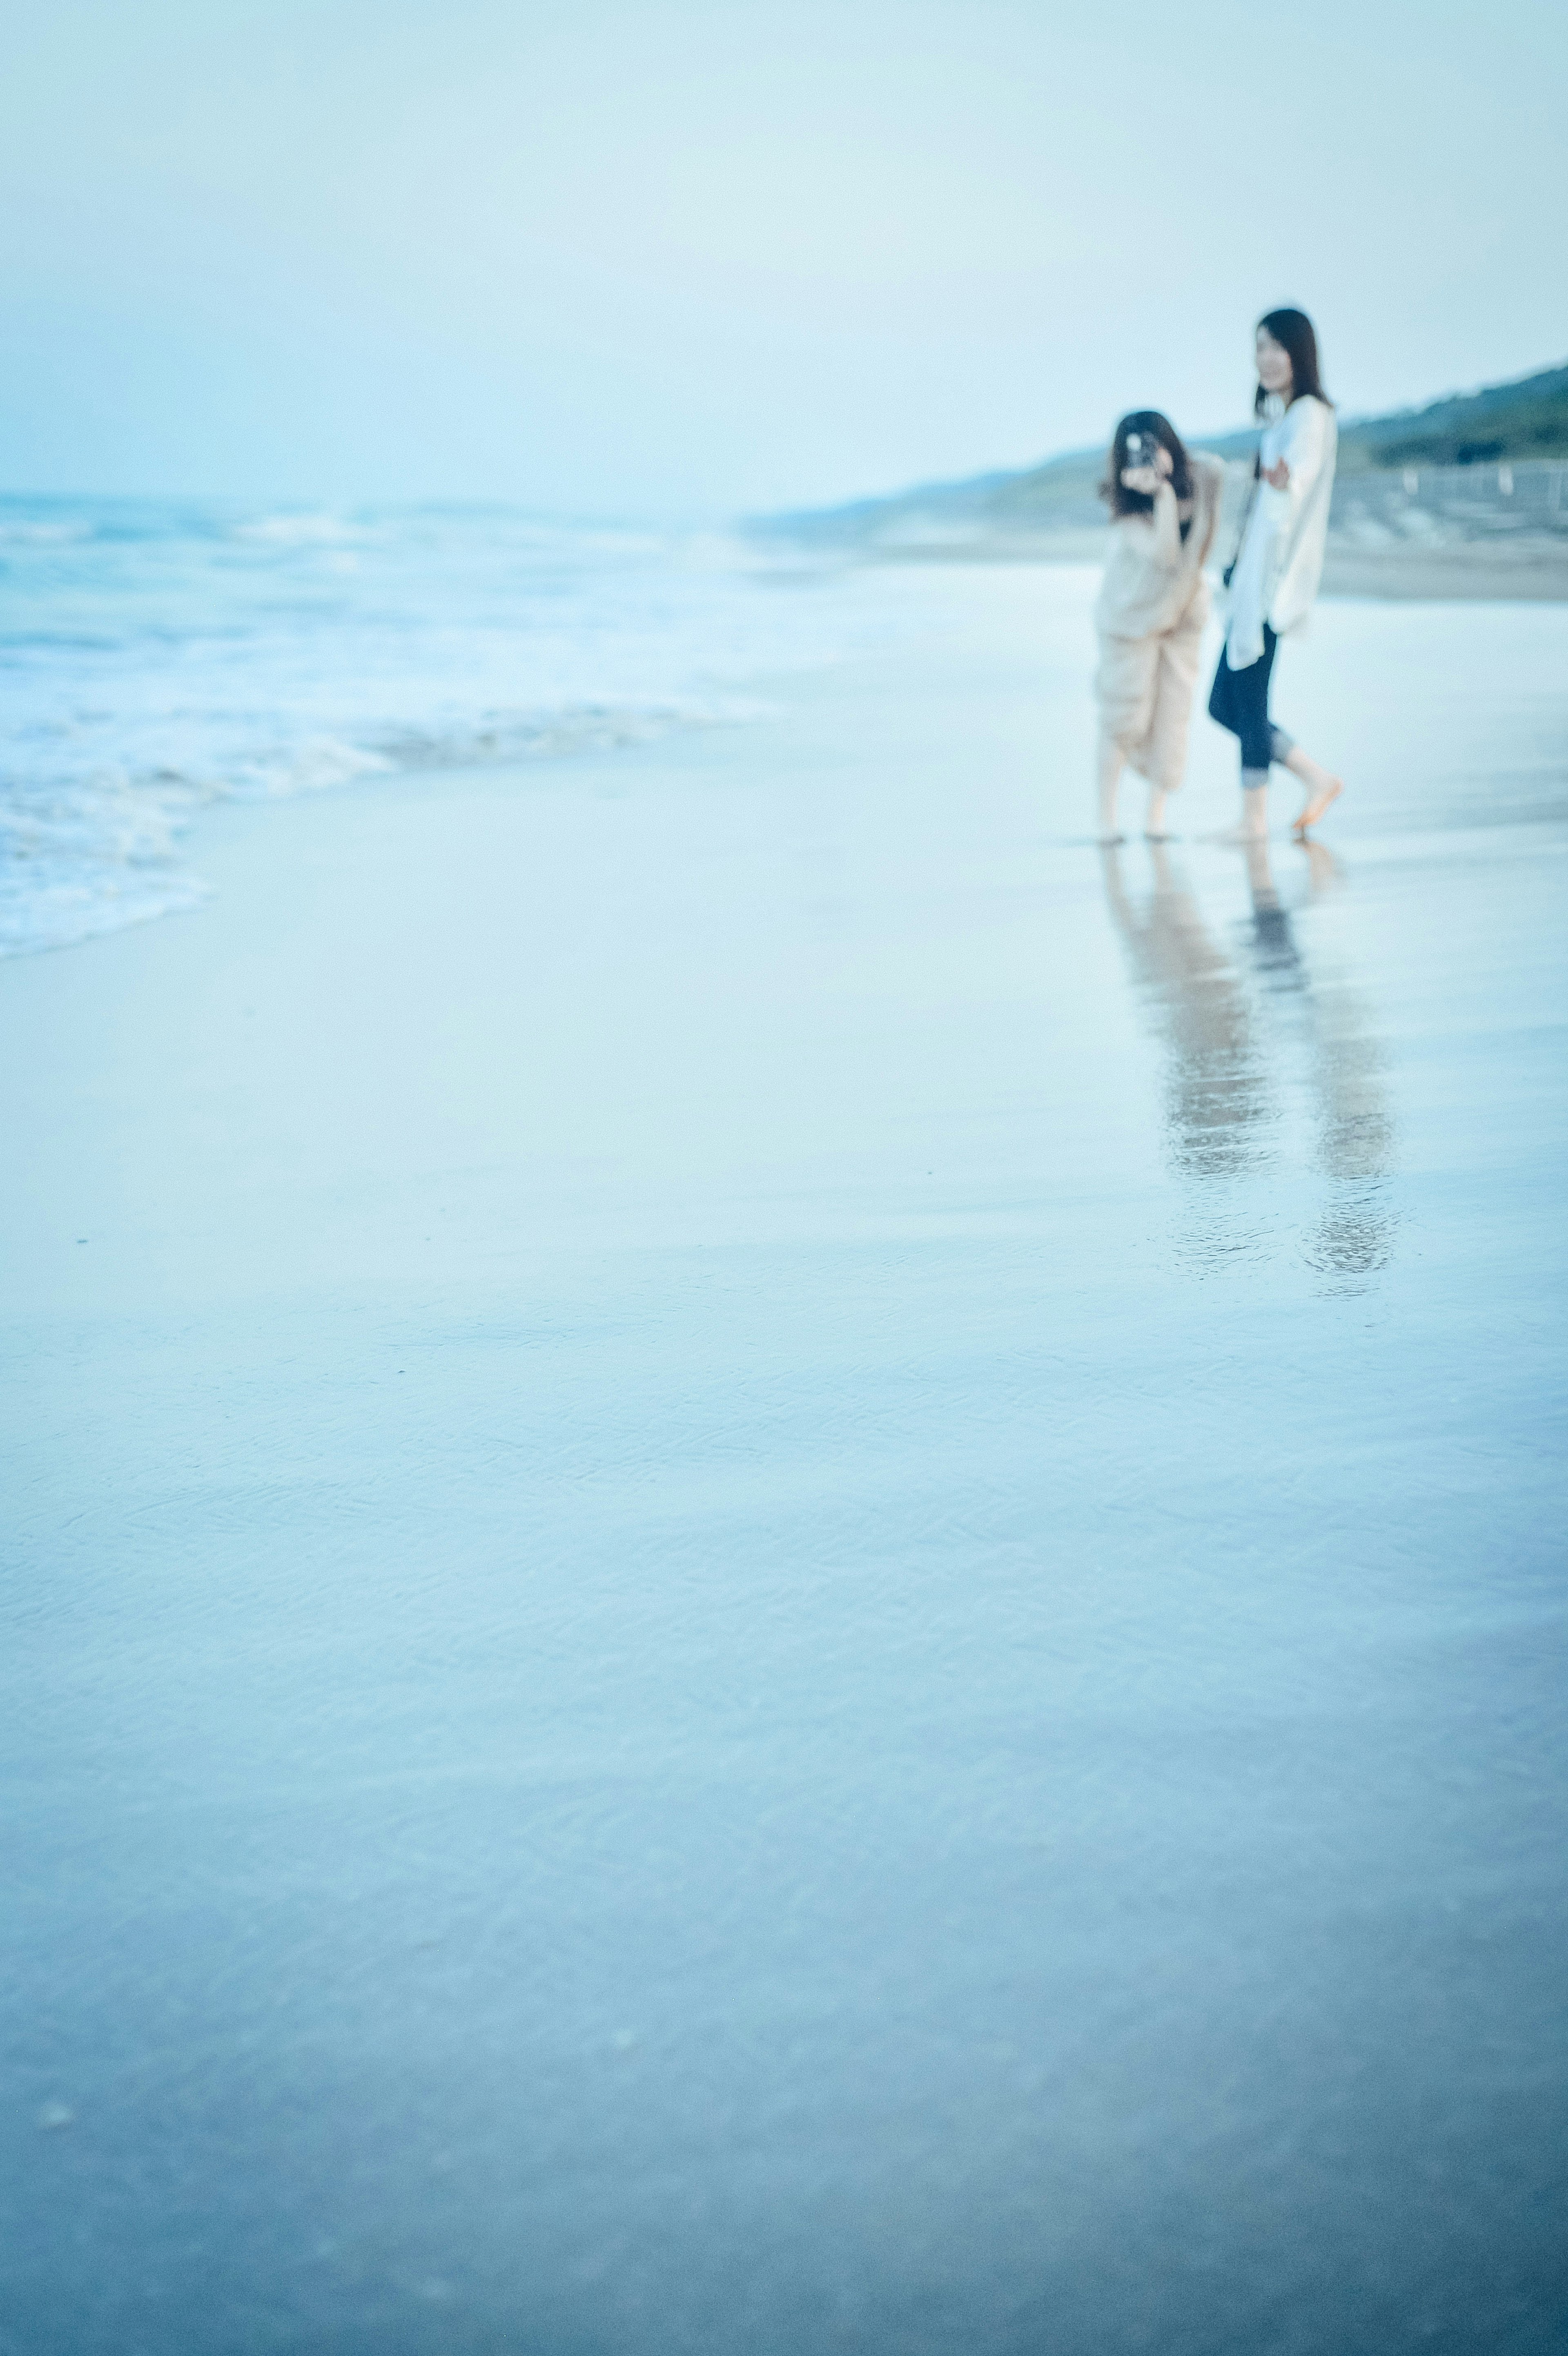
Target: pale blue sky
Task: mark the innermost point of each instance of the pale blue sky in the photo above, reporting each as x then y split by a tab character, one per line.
689	257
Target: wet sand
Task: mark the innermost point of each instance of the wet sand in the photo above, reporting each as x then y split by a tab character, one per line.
784	1564
1532	570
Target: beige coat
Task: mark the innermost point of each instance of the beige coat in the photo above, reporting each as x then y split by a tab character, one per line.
1150	613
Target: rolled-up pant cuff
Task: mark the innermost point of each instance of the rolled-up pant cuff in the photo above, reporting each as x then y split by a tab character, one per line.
1254	780
1280	745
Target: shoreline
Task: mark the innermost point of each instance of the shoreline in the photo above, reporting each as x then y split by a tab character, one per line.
781	1549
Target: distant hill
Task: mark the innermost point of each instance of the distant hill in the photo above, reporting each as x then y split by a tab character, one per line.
1518	422
1528	419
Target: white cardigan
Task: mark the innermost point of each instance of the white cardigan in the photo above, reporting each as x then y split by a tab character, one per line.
1281	559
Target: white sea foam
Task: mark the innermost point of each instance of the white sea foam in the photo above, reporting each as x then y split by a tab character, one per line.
38	529
162	656
304	530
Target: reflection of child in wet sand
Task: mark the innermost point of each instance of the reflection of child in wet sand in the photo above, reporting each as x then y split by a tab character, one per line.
1218	1093
1152	605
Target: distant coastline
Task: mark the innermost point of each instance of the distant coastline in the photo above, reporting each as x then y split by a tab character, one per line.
1466	498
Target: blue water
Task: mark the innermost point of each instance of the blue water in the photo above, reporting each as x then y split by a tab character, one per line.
158	656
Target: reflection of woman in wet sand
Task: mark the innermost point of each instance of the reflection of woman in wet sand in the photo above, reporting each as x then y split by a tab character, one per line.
1223	1091
1153	603
1355	1131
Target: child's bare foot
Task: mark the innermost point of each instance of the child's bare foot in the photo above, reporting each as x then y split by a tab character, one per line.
1329	791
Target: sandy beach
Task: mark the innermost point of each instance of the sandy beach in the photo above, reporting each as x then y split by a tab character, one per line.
1466	574
785	1562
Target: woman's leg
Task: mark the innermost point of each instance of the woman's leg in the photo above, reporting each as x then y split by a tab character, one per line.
1239	701
1164	761
1108	776
1322	786
1124	684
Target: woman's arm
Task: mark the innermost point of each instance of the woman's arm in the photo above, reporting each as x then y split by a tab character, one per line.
1306	438
1208	490
1167	527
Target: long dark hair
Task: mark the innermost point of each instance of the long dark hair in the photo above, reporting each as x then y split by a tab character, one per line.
1295	331
1152	426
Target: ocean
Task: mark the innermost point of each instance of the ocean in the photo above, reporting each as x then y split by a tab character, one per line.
784	1559
161	656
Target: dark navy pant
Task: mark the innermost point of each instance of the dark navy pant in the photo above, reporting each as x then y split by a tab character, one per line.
1239	701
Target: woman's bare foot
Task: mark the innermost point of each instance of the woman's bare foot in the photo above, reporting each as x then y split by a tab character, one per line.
1323	871
1322	788
1318	801
1252	829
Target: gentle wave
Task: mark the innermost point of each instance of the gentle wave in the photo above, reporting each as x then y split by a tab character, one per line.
78	859
162	656
37	534
300	530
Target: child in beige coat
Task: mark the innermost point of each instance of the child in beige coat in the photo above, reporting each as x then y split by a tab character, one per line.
1153	603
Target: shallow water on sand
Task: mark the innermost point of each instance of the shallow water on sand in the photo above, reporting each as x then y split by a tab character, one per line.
789	1568
162	656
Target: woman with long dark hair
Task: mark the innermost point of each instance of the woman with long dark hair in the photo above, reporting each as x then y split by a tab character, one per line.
1153	601
1279	563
